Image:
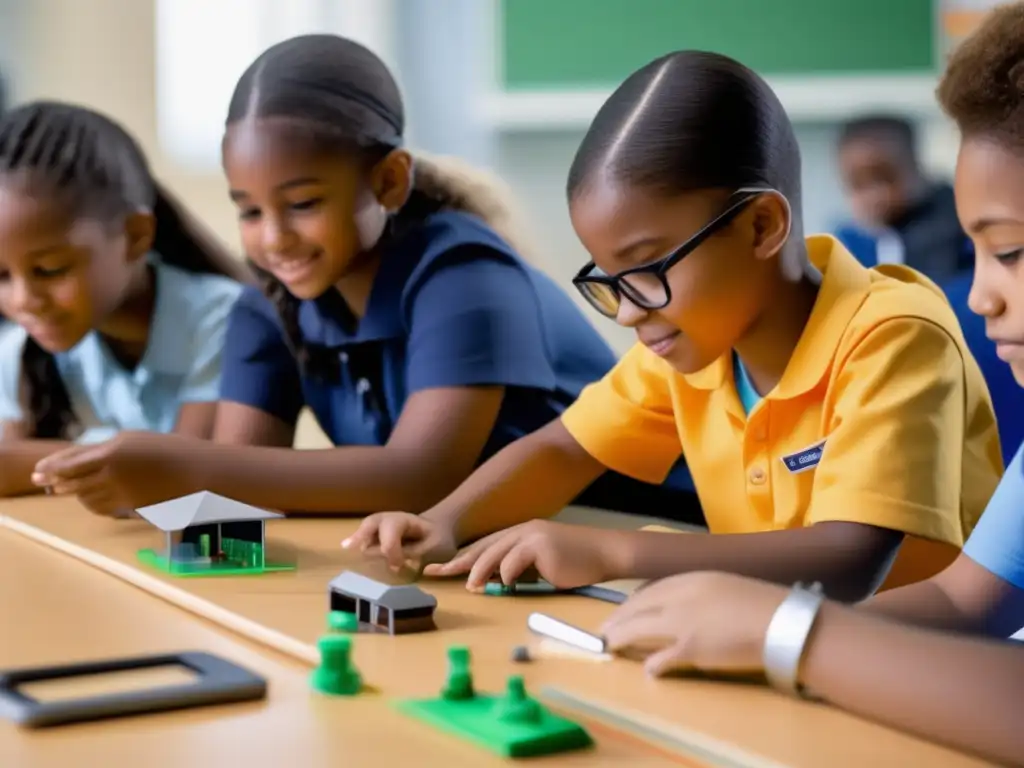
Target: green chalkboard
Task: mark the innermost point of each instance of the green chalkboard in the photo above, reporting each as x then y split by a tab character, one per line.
565	44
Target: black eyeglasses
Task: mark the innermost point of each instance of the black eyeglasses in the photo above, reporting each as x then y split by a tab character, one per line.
647	286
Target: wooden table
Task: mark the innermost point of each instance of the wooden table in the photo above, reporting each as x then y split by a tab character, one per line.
62	610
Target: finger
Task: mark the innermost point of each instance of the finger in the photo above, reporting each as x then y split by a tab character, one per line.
72	463
651	598
488	562
83	486
464	560
519	559
391	535
365	535
647	629
673	658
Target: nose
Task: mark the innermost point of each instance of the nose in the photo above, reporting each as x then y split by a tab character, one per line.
984	298
629	314
277	236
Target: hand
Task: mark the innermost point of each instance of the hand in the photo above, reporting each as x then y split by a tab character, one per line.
129	471
401	537
564	555
712	622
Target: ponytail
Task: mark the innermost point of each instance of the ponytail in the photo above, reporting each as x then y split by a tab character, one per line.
182	241
447	183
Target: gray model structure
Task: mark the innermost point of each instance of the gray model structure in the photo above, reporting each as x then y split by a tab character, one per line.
381	607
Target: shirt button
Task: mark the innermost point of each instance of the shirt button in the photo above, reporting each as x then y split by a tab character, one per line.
757	476
344	358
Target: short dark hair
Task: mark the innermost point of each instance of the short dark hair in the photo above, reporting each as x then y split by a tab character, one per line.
94	165
692	120
982	89
895	129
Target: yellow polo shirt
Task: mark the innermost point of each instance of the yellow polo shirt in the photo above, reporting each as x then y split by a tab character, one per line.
881	417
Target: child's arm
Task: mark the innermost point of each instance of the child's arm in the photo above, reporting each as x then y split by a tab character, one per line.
18	457
958	691
983	590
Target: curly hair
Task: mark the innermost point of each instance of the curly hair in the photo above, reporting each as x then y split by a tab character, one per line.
982	89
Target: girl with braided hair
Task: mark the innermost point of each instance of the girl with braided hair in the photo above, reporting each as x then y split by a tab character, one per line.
118	301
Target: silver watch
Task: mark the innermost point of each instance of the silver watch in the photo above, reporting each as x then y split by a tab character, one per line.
786	639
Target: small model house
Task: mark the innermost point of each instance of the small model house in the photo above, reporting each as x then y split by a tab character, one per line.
382	607
207	533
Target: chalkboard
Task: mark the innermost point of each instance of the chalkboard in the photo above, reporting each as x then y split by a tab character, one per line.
577	44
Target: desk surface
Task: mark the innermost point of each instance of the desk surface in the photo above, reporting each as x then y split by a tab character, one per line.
126	620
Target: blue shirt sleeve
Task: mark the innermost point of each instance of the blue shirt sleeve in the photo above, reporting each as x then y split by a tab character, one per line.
258	368
12	342
202	384
997	543
474	320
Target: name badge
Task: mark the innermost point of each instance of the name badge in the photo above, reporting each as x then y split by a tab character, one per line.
808	458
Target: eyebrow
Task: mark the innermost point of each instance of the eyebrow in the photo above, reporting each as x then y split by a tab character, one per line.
47	250
981	225
301	181
629	253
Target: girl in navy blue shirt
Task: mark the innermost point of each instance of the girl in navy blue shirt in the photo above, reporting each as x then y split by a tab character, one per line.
391	307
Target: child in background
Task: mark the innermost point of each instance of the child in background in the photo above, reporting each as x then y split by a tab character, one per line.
955	689
903	217
831	415
391	307
118	303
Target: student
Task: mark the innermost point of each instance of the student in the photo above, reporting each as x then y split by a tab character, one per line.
391	307
903	216
831	415
118	303
944	686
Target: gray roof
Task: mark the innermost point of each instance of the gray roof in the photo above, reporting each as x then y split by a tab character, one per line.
397	598
201	508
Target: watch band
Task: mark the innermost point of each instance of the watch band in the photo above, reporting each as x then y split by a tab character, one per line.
786	639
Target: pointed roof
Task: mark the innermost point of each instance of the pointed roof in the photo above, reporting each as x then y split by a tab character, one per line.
396	598
201	509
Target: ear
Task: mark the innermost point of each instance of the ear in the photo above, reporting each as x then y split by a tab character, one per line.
773	221
140	231
391	179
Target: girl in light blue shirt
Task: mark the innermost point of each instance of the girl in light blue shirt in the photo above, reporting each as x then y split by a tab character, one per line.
118	304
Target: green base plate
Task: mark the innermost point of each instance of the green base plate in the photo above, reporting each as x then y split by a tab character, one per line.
225	568
476	721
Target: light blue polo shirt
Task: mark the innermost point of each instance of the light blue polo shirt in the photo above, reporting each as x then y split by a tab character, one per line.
997	542
744	386
181	364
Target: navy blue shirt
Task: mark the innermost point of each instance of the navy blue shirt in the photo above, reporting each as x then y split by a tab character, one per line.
452	306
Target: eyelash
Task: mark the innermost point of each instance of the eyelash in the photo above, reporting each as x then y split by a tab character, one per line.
303	206
1009	257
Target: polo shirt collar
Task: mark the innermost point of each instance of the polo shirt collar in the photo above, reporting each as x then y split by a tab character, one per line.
844	286
327	320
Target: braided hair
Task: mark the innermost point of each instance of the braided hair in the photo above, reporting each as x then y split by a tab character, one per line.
95	166
340	94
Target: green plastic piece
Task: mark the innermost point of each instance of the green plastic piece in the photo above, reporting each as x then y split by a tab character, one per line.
336	675
340	621
241	558
459	685
513	725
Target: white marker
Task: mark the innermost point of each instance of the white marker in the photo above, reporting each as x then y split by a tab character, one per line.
551	627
